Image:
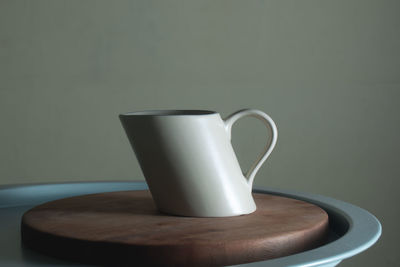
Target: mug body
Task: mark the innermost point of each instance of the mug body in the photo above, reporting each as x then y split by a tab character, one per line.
188	162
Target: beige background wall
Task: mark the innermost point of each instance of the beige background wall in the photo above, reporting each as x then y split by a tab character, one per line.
328	72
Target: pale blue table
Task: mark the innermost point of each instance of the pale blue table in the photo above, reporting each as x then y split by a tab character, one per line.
353	229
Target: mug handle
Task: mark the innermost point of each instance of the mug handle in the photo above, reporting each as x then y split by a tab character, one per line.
273	136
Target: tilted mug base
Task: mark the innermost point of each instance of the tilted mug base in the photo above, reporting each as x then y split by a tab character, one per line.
197	213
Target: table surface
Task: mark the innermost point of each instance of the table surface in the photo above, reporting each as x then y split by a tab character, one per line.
352	229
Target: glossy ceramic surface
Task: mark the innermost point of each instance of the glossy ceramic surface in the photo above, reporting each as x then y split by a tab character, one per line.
188	161
353	229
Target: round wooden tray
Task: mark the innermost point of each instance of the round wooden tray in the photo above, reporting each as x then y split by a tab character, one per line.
124	228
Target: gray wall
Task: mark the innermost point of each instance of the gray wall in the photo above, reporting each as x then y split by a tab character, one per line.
328	72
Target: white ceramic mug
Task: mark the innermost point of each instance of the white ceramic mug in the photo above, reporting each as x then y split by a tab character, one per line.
188	161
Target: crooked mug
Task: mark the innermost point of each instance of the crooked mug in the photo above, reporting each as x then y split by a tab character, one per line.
188	161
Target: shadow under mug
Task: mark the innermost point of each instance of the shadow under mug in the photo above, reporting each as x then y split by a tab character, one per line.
188	161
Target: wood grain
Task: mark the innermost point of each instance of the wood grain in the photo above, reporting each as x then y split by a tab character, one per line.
124	228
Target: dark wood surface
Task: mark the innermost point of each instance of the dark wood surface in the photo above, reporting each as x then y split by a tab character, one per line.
124	228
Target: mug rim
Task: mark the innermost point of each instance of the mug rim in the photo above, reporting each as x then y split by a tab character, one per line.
170	112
